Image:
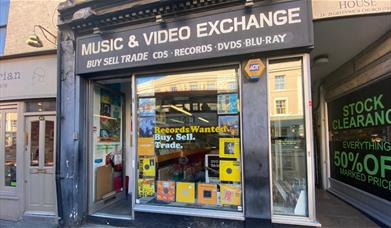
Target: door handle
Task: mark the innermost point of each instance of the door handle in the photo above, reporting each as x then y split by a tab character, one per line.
41	170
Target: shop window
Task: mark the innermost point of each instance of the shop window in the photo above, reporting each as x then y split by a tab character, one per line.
288	150
280	105
279	82
4	7
10	148
189	140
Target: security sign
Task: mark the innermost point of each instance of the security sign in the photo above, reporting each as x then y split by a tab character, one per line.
254	69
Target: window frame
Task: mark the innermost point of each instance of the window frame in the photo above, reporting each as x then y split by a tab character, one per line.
286	105
6	4
234	215
277	85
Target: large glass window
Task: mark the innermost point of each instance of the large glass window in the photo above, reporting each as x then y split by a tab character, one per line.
288	150
10	149
189	140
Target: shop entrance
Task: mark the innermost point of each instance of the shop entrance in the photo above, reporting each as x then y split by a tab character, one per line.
40	178
109	149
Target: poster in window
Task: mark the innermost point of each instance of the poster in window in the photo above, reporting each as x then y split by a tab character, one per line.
230	124
110	129
166	191
146	106
229	171
146	126
227	103
229	148
212	165
230	194
146	187
148	166
145	146
185	192
207	194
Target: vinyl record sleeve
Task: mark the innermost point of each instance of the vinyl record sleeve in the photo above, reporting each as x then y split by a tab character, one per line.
146	147
166	191
146	187
207	194
148	167
229	148
185	192
229	171
230	195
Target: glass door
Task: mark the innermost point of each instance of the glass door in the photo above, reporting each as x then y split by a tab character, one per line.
290	141
108	181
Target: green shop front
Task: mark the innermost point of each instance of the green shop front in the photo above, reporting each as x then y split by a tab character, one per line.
195	110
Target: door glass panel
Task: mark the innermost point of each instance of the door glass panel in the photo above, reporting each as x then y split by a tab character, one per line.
41	106
34	143
10	149
49	143
288	147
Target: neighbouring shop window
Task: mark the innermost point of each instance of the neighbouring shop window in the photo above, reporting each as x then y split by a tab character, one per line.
288	150
10	149
41	106
360	138
189	140
279	82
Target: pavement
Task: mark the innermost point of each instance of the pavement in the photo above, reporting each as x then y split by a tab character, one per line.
331	212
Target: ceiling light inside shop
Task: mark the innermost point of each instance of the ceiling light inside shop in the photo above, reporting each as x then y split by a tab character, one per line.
177	121
181	110
105	117
202	119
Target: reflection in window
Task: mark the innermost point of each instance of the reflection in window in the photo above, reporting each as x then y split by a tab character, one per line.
280	106
34	143
49	143
289	179
10	149
188	140
279	82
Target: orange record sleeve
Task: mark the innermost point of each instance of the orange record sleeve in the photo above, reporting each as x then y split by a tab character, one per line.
166	191
230	195
185	192
207	194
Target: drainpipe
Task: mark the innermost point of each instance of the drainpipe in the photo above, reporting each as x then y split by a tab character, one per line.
58	129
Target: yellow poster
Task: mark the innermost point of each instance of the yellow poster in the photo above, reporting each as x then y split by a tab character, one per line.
229	171
146	146
148	167
229	148
146	187
230	194
185	192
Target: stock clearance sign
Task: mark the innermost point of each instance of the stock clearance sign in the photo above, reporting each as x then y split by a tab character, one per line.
360	145
242	31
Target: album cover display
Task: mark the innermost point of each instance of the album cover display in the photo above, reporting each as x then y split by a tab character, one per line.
146	126
227	103
185	192
229	148
230	123
146	146
166	191
207	194
229	171
230	195
146	187
148	168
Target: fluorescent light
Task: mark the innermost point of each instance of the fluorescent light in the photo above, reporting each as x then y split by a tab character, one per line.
177	121
105	117
202	119
181	110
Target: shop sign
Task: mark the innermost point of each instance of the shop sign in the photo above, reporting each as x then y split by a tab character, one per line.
328	9
254	69
360	139
242	31
32	77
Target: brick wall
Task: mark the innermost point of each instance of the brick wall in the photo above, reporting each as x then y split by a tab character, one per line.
23	15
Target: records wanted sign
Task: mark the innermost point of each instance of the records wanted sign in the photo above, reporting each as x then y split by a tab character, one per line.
241	31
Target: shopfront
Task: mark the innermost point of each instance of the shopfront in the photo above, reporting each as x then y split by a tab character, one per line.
206	114
27	137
